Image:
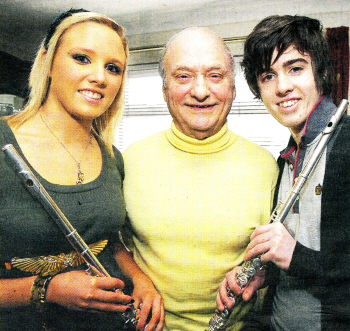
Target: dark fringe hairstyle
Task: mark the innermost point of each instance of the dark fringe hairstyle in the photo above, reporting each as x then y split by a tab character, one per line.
280	32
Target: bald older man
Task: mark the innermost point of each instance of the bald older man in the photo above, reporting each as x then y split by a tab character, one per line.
195	193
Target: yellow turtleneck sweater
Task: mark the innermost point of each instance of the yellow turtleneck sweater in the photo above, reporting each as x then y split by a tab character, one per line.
193	205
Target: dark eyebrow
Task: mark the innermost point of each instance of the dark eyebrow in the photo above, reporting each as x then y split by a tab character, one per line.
291	62
286	64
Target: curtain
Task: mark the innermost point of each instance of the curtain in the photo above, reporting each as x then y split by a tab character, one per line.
338	41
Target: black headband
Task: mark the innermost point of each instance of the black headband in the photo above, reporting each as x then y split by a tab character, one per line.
56	22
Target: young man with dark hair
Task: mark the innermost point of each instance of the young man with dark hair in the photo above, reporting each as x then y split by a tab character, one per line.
287	65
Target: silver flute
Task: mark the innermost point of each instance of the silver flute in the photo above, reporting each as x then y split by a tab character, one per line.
251	267
39	192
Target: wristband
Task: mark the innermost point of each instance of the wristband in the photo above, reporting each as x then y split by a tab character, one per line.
39	288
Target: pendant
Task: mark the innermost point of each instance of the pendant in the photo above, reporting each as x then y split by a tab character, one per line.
81	176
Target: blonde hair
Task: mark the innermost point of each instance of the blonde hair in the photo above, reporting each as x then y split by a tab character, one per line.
39	81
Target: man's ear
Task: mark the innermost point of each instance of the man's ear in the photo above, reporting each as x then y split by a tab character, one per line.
325	75
234	93
164	94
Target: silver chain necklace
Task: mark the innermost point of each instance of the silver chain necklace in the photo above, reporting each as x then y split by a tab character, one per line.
81	175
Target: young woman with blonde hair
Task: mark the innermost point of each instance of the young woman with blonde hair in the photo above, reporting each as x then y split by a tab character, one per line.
65	133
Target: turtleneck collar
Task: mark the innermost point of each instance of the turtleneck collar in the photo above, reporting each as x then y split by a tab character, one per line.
221	140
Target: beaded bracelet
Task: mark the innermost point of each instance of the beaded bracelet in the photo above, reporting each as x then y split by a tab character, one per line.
39	288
